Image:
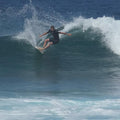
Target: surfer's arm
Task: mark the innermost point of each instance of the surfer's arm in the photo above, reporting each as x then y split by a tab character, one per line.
44	34
65	33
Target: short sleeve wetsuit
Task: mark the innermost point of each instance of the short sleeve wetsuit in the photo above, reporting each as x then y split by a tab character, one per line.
55	35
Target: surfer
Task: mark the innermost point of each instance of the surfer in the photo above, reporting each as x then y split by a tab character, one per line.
53	40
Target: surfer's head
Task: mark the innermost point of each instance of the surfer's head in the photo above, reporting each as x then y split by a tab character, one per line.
52	28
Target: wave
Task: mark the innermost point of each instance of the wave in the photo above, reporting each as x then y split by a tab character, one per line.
54	108
102	30
88	43
80	42
107	28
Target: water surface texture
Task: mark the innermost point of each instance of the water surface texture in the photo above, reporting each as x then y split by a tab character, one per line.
77	79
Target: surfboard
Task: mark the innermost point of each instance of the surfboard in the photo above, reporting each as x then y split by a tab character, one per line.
41	50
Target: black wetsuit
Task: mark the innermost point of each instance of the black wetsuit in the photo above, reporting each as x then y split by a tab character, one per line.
55	35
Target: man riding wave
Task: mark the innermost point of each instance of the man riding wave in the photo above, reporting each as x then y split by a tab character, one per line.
55	33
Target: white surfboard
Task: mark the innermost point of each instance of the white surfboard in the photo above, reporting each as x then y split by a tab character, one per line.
42	50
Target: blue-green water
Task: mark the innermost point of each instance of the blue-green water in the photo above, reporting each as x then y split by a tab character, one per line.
77	79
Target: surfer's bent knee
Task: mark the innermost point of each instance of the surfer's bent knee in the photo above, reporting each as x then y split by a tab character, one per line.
47	40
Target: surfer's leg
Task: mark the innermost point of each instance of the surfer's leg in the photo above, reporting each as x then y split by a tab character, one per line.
48	45
45	42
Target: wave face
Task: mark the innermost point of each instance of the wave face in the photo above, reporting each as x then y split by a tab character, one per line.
92	52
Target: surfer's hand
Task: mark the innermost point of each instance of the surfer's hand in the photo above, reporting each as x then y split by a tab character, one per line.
40	35
69	34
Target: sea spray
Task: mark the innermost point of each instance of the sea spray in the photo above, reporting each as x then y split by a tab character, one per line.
32	28
38	24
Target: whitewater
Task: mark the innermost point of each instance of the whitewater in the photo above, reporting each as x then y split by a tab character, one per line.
63	109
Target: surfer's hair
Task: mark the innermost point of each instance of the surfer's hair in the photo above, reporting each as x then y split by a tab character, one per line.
52	27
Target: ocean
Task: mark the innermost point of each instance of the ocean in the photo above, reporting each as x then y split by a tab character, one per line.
77	79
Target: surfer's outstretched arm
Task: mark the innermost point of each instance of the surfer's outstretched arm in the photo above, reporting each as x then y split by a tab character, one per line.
44	34
65	33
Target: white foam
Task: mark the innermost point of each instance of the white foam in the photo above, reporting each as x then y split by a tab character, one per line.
67	109
108	26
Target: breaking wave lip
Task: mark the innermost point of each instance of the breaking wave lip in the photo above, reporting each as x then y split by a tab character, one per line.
108	26
67	109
